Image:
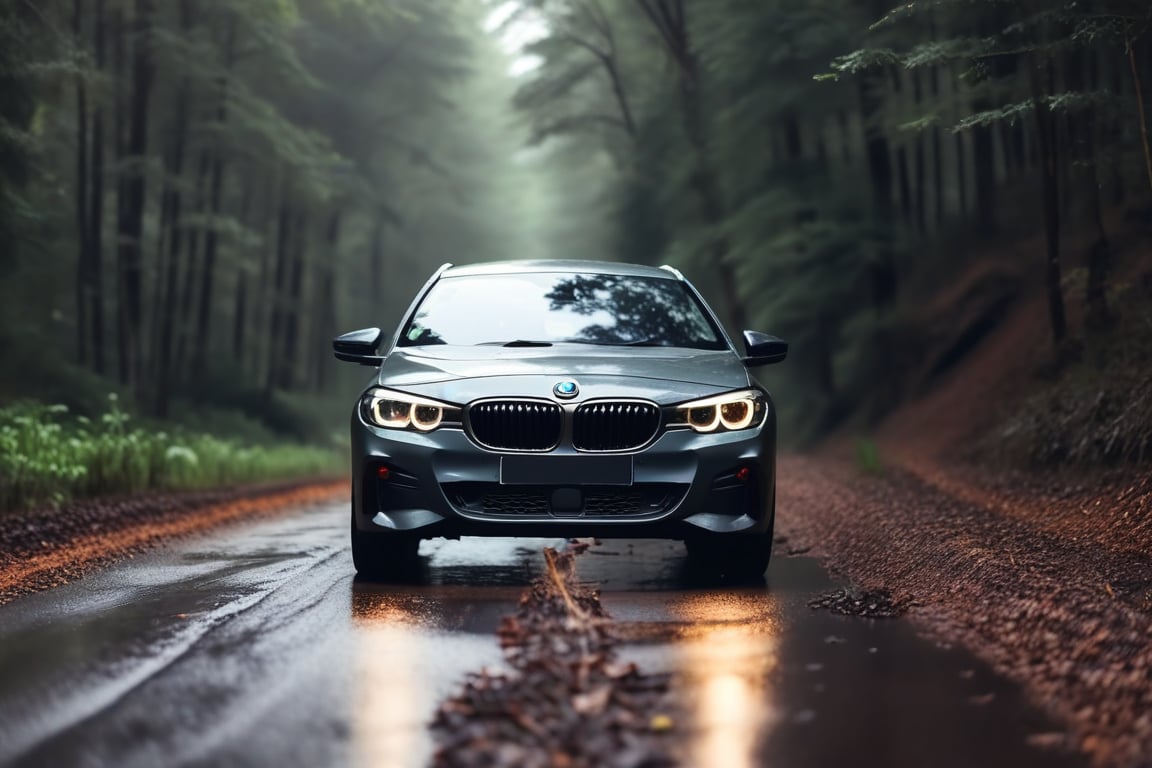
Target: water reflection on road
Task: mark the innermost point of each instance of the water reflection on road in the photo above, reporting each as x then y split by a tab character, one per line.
725	664
255	646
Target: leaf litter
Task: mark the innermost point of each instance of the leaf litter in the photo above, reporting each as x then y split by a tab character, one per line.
567	699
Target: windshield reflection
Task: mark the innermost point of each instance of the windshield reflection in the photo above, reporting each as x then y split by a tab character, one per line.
554	308
640	310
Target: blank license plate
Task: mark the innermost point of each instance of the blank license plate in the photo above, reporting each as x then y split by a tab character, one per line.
566	470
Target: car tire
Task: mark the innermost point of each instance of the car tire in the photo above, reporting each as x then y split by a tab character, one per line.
737	556
383	555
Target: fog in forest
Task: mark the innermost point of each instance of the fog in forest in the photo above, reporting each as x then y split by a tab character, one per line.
197	195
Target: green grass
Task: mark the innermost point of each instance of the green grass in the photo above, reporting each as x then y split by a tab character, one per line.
49	455
868	456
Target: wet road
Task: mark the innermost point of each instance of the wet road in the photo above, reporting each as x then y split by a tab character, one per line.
255	646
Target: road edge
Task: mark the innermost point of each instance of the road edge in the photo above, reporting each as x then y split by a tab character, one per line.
129	526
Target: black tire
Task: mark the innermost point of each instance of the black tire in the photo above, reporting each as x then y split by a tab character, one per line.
737	556
383	555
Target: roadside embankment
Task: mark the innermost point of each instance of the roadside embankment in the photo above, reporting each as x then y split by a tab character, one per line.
43	548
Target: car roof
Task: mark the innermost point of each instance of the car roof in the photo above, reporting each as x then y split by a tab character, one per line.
559	265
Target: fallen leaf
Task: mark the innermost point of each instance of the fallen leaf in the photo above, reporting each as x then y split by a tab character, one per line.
592	702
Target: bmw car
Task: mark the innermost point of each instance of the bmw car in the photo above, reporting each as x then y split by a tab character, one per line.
562	399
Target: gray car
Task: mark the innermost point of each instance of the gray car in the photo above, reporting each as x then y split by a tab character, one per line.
562	398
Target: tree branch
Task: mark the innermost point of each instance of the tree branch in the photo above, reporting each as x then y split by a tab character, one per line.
654	17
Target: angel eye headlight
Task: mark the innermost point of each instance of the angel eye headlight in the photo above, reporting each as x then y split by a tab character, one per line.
703	418
426	417
731	412
397	410
736	414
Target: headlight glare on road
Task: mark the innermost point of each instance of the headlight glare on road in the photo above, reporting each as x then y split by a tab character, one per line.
397	410
731	412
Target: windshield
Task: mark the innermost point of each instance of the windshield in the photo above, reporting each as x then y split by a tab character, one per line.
541	308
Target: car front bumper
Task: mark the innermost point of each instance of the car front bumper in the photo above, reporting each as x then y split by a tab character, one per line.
683	485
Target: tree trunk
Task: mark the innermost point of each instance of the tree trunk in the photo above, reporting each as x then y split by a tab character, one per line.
905	185
166	305
293	308
240	315
1140	114
1050	181
984	160
920	162
203	332
376	263
96	207
878	152
962	176
262	297
276	322
83	228
186	299
1096	312
324	324
131	213
120	108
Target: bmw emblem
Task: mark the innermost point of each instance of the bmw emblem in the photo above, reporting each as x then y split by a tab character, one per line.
566	389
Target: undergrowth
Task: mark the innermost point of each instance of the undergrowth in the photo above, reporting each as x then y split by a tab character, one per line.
49	455
868	456
1095	411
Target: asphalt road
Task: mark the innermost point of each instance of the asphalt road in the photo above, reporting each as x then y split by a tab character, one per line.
254	645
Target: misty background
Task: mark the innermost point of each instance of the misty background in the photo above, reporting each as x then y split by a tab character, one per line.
197	195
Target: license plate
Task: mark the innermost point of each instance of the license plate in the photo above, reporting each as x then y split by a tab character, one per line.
566	470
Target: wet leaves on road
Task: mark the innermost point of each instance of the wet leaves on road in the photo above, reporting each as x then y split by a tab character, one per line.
567	699
869	604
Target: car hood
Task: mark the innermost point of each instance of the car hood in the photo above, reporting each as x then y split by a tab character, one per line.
662	374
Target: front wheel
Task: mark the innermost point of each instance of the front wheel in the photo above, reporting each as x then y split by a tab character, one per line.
381	555
738	556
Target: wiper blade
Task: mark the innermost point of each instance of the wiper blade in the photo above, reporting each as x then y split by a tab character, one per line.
515	343
637	343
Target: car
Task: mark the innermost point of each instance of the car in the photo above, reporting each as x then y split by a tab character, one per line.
562	399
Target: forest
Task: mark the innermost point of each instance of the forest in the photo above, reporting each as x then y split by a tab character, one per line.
196	195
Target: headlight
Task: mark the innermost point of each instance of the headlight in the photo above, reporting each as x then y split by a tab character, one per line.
730	412
397	410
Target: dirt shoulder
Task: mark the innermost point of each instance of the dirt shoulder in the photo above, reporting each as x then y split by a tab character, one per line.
40	549
1006	570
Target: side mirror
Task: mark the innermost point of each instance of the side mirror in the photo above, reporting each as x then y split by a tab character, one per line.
763	349
358	347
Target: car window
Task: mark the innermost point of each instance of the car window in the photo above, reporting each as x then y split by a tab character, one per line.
551	307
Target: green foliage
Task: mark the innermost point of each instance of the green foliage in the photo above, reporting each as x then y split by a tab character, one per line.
868	456
49	455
